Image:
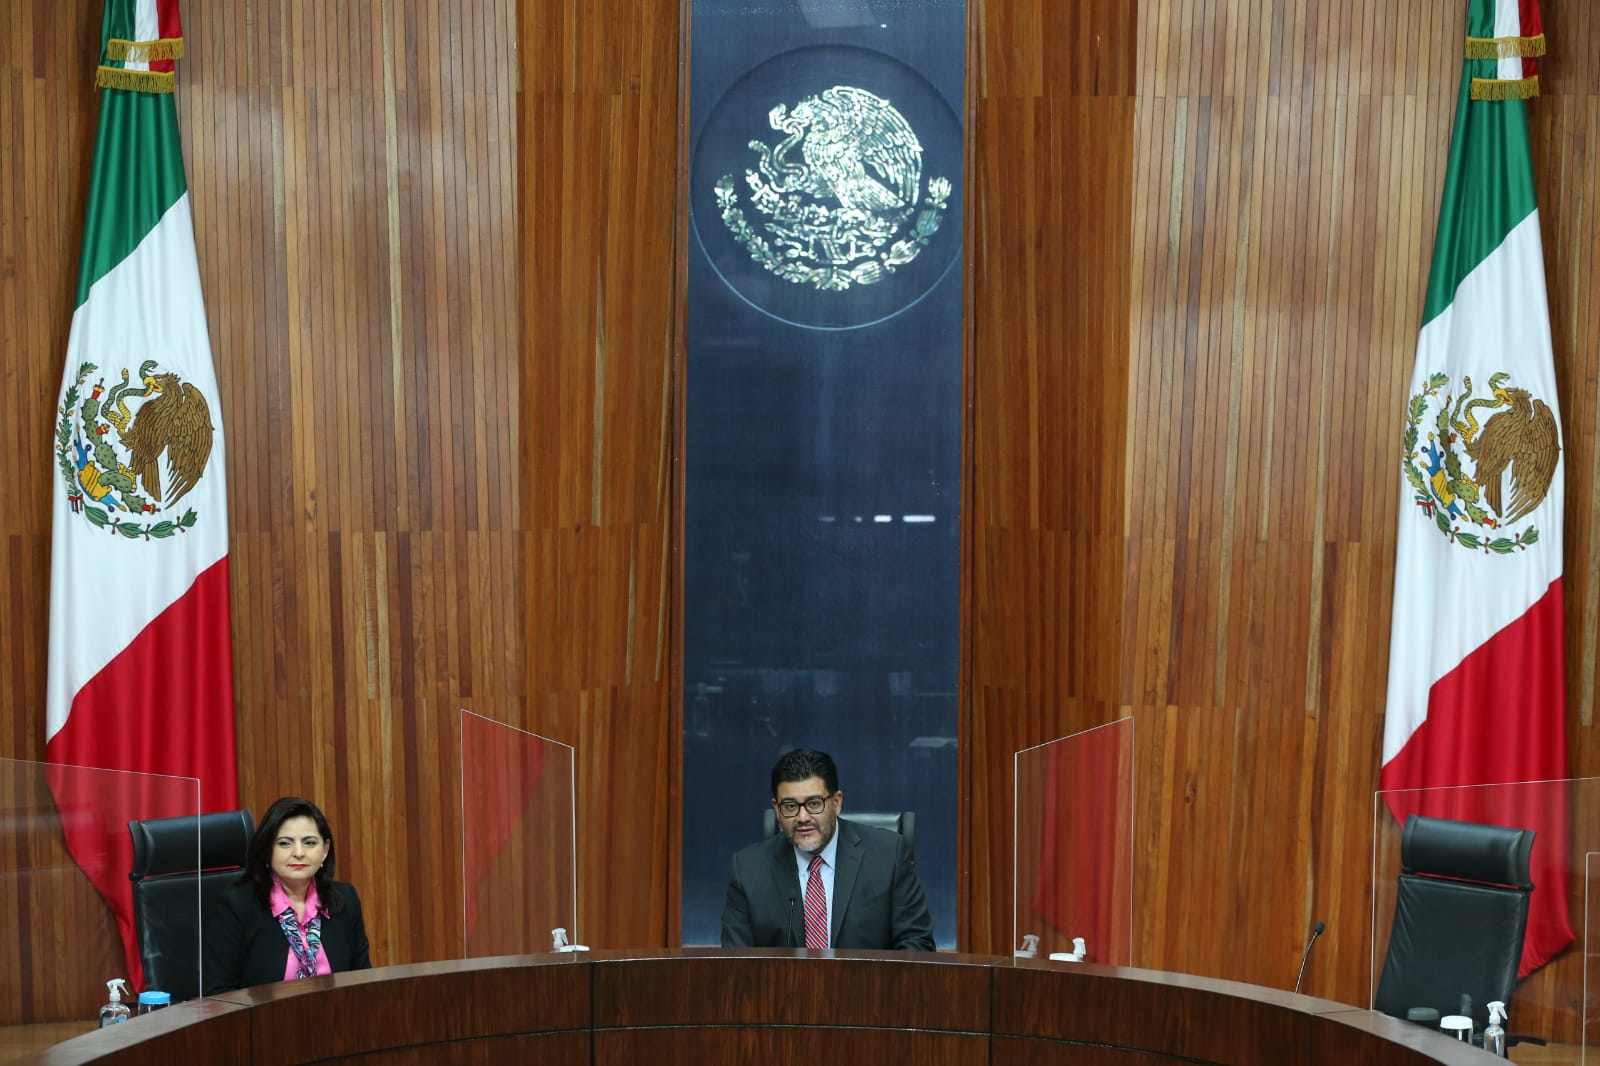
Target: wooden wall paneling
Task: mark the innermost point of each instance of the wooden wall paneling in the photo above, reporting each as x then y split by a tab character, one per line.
352	172
1332	156
48	120
597	200
437	251
1048	243
1564	125
1256	223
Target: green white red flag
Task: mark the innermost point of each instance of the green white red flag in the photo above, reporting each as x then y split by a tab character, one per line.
140	661
1477	691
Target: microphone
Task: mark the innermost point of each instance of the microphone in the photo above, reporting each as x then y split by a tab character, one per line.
790	925
1316	931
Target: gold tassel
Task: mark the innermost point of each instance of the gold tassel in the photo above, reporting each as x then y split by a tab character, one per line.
1505	47
139	81
1505	89
144	51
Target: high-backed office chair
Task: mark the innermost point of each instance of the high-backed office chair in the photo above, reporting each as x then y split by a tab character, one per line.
1459	917
902	822
166	907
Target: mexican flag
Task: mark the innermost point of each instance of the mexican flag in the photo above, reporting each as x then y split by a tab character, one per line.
1477	691
140	661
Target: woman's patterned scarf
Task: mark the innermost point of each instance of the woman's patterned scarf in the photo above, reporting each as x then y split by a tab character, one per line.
305	949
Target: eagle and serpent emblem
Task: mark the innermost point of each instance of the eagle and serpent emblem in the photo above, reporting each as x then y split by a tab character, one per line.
1512	457
841	194
111	454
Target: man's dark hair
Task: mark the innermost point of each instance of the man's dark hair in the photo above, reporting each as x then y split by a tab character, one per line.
803	764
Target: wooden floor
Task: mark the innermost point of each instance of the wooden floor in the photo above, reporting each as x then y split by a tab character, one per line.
16	1040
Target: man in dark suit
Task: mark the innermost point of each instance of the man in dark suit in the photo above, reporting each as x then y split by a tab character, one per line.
823	882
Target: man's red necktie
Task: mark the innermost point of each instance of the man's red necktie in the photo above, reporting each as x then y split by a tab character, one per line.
816	907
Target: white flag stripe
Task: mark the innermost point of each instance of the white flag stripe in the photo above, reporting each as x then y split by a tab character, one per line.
146	27
1508	23
1469	339
161	279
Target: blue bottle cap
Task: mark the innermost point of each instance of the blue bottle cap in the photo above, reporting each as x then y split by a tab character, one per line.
157	999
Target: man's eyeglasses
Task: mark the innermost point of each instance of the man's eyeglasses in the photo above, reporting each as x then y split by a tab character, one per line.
813	805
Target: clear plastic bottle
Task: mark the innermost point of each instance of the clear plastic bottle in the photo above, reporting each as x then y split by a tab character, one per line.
115	1010
1494	1037
151	1001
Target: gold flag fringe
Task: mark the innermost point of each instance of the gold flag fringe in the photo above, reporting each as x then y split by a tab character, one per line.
1505	47
1506	89
144	51
139	81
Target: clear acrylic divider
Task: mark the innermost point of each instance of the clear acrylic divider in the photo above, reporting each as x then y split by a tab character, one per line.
66	902
1548	1002
518	840
1591	955
1072	872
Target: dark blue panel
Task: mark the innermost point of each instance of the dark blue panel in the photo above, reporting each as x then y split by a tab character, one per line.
823	436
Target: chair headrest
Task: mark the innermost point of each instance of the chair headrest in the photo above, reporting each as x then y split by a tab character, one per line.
902	822
1466	850
167	845
890	820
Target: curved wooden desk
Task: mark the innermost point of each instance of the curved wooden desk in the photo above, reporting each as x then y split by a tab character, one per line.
697	1006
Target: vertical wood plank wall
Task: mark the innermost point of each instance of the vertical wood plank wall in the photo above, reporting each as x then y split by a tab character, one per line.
56	937
1049	243
1189	367
437	242
598	160
354	167
353	174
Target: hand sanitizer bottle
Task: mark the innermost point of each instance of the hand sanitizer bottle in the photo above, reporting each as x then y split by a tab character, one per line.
1494	1037
115	1010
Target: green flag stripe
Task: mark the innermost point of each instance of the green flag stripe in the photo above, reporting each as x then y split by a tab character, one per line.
1480	19
1488	187
137	177
117	22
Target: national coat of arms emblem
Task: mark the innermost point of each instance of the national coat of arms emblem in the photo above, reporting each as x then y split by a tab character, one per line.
1472	480
841	197
110	446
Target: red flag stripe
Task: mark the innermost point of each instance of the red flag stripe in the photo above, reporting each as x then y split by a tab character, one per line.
1500	716
1532	26
181	662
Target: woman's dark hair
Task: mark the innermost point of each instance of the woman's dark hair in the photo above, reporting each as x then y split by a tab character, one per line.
258	859
802	765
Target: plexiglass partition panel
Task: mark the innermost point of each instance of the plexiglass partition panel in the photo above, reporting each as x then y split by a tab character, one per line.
1073	867
66	902
518	839
1591	955
1432	921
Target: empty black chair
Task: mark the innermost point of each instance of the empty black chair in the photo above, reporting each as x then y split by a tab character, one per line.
902	822
166	906
1459	917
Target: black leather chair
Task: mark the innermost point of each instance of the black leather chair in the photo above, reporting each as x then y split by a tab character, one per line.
166	903
902	822
1459	917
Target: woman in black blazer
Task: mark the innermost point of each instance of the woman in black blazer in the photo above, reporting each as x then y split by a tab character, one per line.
287	917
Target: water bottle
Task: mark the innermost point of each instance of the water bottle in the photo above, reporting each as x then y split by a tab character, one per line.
151	1001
